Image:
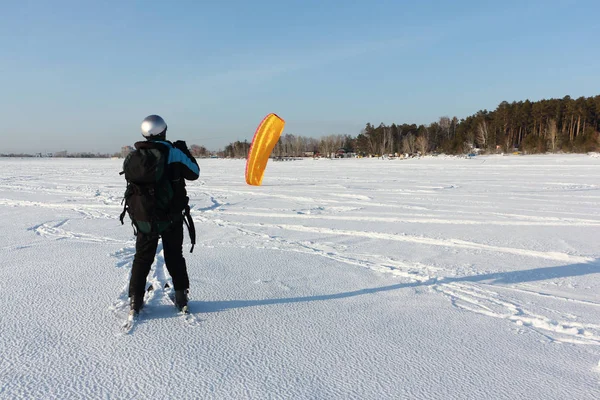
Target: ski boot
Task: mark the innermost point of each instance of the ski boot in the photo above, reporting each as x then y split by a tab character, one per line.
181	300
135	304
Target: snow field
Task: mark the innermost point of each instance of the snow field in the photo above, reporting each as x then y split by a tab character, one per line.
434	278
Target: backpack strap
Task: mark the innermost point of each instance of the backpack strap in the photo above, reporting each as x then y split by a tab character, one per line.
189	222
124	204
122	216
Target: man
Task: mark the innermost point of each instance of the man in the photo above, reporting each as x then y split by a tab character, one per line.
156	199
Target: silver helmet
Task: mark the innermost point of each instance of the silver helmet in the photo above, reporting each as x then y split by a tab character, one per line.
154	126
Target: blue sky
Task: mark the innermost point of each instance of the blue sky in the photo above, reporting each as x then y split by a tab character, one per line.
81	76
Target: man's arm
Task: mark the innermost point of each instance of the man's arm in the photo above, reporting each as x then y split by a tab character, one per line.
187	164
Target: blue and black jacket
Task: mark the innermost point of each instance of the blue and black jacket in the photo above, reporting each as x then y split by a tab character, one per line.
181	163
181	166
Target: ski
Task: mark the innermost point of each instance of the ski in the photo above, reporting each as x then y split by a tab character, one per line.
184	311
133	316
171	295
129	323
187	316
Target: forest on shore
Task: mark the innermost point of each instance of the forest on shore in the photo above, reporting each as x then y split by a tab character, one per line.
555	125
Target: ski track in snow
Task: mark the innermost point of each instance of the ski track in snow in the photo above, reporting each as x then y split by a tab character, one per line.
467	296
486	302
55	231
430	219
451	243
89	211
256	216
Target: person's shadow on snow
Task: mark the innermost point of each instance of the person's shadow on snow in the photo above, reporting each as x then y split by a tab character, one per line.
500	278
532	275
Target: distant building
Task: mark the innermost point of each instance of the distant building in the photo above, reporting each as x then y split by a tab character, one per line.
60	153
125	150
340	153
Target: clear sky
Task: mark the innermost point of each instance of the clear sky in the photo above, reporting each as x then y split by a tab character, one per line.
81	75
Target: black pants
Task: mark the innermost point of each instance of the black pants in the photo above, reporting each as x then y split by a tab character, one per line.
145	251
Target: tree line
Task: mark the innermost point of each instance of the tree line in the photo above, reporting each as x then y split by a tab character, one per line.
567	125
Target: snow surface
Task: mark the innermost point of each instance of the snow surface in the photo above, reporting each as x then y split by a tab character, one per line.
431	278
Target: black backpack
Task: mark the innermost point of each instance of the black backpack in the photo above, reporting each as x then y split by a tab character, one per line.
149	194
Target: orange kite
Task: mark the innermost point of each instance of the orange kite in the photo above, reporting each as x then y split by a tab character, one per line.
265	138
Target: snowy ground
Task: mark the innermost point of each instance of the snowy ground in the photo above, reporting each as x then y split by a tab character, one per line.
436	278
